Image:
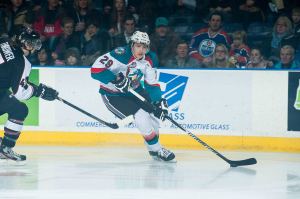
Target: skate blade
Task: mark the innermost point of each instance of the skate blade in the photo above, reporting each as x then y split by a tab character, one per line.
160	160
9	162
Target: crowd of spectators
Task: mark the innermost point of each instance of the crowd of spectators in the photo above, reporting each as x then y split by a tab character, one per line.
183	33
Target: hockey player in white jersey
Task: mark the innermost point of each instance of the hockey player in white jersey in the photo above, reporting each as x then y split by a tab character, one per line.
14	86
123	68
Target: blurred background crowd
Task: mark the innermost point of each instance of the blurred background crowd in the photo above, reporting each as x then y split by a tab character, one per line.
184	33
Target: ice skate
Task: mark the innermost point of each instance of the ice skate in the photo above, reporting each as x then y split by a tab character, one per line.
2	157
163	155
9	154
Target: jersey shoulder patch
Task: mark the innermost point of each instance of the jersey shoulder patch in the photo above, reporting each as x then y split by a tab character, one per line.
120	50
122	54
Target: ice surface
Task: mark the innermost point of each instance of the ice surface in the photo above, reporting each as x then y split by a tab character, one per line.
129	173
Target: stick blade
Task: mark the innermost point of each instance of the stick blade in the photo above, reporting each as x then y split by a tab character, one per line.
245	162
122	122
112	125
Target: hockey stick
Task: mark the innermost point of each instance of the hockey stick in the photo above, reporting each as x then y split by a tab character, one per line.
233	163
122	122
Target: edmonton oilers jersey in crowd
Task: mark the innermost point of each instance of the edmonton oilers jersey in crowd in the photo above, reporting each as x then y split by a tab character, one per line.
108	66
14	71
203	44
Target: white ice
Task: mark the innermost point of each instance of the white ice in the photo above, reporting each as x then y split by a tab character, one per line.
129	173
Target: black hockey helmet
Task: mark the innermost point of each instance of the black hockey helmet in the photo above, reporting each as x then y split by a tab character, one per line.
26	37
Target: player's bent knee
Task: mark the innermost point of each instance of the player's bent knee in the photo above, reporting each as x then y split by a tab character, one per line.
143	121
19	112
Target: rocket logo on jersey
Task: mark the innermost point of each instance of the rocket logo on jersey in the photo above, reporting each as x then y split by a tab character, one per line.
134	74
172	87
207	47
120	50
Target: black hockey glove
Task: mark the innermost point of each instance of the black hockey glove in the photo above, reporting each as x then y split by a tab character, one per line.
45	92
122	83
161	109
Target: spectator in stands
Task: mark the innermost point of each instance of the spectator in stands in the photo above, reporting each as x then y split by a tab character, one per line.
110	11
182	58
147	16
201	11
163	41
66	40
281	7
220	58
250	12
94	42
296	25
117	17
48	22
72	57
204	41
296	20
106	13
287	58
123	38
226	7
133	8
3	30
3	8
165	8
181	13
44	57
17	13
257	60
282	32
181	8
239	51
80	12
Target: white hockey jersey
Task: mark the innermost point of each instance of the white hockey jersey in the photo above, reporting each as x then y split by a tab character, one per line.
121	60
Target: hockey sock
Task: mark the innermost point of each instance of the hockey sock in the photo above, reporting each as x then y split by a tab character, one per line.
152	141
152	138
12	130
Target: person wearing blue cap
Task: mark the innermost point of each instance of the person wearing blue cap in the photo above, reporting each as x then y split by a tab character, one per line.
163	40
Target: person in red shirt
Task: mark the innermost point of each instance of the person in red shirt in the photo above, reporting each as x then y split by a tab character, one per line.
48	23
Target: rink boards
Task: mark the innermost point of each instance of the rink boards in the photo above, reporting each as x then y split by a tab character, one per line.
230	109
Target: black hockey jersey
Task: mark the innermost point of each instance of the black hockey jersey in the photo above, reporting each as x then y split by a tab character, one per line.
14	71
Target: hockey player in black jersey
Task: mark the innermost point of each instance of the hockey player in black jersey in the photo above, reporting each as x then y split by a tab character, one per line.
14	86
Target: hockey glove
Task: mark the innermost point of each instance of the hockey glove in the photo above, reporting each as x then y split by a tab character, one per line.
122	83
45	92
161	109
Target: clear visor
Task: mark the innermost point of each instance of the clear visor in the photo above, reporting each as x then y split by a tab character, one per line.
34	44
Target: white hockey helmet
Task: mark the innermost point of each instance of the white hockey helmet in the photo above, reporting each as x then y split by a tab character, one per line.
140	37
